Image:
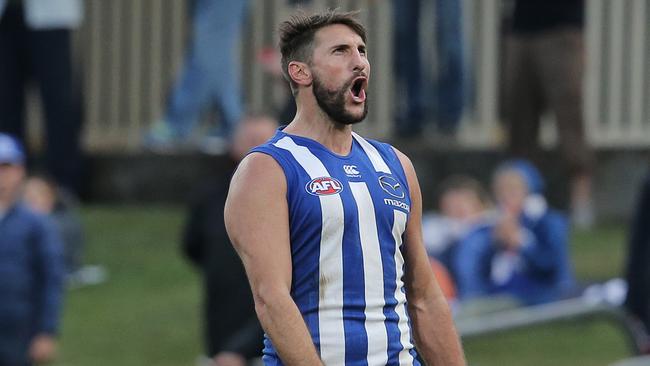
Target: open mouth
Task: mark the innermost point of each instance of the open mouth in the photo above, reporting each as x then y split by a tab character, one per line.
358	89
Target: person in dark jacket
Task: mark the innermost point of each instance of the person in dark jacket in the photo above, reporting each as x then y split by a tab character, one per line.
638	269
233	334
31	270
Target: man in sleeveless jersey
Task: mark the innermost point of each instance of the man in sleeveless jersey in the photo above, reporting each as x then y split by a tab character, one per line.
328	224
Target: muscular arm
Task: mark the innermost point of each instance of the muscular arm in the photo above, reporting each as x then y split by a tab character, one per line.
257	222
435	336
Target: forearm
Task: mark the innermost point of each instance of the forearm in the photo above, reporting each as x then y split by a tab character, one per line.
284	324
435	335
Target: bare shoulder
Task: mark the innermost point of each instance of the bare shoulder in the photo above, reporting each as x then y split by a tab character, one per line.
258	171
256	198
406	164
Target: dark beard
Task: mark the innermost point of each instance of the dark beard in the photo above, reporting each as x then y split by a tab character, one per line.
332	102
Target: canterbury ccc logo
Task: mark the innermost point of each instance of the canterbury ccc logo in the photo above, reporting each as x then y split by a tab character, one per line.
324	186
350	169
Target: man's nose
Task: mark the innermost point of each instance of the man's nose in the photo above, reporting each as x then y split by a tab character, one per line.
360	62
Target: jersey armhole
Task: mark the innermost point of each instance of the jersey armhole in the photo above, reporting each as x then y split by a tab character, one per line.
282	162
398	163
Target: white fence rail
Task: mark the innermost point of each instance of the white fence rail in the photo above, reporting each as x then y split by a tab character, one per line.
131	51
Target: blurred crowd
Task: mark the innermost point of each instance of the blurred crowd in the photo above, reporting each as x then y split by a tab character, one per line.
490	249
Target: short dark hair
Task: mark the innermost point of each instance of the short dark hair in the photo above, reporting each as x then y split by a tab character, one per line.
297	35
464	183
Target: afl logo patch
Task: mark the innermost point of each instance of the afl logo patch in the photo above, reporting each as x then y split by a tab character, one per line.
324	186
391	186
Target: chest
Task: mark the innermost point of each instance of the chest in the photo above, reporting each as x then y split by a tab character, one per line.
16	242
348	193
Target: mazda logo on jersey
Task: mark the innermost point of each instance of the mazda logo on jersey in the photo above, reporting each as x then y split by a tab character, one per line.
324	186
391	186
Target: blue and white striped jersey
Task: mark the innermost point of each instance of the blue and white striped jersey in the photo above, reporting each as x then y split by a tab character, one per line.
347	215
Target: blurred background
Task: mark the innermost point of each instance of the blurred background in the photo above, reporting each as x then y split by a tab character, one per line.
445	93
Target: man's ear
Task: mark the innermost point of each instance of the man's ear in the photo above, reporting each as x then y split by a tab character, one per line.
300	73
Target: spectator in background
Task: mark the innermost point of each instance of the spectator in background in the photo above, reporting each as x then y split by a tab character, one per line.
544	66
524	255
638	262
209	78
43	196
450	86
233	333
35	45
31	269
463	208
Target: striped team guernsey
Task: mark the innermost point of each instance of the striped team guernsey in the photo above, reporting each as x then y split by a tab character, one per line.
347	215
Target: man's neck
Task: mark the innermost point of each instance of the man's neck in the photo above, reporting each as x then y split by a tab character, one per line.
311	122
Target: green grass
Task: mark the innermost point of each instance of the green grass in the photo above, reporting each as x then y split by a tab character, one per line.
148	312
599	254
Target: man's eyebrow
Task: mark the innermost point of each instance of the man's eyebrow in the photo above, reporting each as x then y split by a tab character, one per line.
340	45
346	45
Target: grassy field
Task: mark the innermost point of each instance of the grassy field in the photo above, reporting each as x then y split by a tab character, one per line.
148	311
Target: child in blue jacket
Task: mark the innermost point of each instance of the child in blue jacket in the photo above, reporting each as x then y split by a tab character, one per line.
31	270
524	254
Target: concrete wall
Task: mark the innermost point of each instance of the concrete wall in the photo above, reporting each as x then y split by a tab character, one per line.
146	178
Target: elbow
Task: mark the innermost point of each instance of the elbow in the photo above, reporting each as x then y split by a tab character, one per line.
262	307
426	305
267	299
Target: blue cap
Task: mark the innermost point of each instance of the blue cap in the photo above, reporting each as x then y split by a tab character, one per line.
11	151
528	172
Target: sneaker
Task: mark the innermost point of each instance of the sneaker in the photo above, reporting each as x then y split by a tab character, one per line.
161	139
88	275
214	145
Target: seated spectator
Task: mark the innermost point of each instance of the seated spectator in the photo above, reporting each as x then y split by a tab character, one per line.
463	207
43	196
31	269
524	254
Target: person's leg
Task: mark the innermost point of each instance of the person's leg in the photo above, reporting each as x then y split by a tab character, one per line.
561	59
209	74
227	70
50	56
522	99
407	67
450	86
13	73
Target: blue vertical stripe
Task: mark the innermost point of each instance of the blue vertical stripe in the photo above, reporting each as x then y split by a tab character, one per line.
356	339
392	319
